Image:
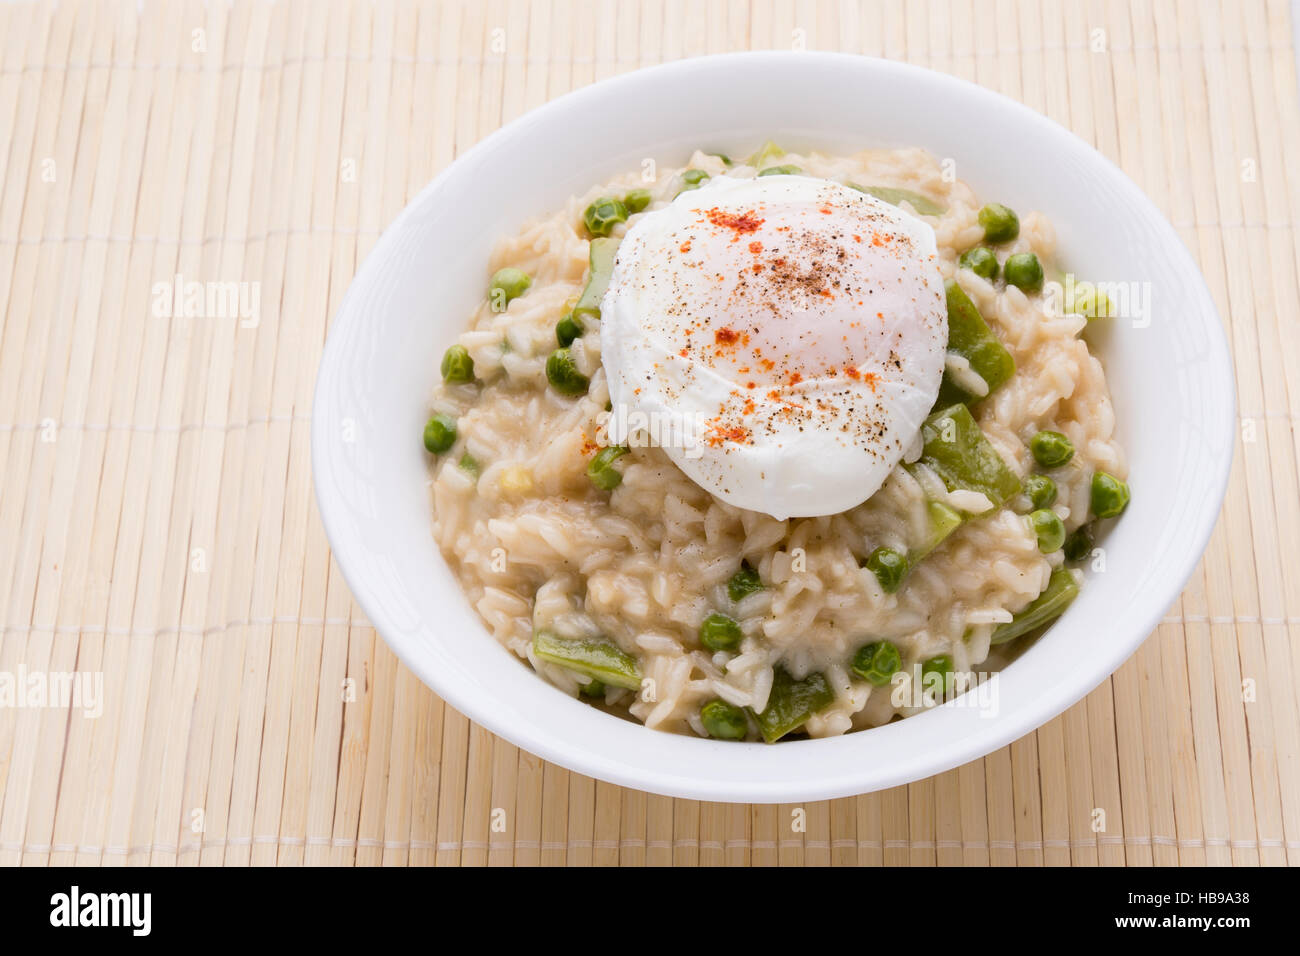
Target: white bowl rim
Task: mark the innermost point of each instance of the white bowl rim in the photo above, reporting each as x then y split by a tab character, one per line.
571	754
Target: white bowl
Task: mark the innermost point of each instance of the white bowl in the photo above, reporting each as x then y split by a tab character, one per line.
1171	382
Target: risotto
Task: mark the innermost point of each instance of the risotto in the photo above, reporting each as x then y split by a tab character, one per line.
649	592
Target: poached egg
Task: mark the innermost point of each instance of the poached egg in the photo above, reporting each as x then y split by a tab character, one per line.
782	338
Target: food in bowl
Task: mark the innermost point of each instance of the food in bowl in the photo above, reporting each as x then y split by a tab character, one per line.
774	447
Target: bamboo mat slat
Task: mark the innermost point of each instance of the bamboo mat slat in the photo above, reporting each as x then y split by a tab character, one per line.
157	522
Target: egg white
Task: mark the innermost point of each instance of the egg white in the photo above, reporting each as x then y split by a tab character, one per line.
782	338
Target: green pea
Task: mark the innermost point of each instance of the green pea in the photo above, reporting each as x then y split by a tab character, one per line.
743	583
469	464
457	366
724	721
889	567
439	434
601	468
1051	449
1041	491
1000	223
876	662
786	170
567	330
507	284
940	666
980	260
563	374
1109	495
720	633
603	215
692	179
637	199
1050	529
1024	271
593	689
1079	543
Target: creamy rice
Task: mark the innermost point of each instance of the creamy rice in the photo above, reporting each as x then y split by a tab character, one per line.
536	545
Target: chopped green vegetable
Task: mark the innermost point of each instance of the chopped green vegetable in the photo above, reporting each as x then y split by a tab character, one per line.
724	721
457	366
507	284
594	689
439	434
1049	528
720	633
1110	496
1061	590
1041	491
563	374
469	464
601	469
567	331
692	179
922	204
944	520
889	567
1024	271
766	153
877	662
637	199
603	215
726	160
980	260
743	583
1001	224
970	337
601	260
957	451
597	659
1051	449
1087	300
791	703
1079	544
786	170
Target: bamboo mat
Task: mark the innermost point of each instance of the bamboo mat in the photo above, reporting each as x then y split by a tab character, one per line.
157	523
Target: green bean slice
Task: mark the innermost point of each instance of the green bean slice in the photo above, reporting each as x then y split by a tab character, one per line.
892	195
601	260
597	659
970	337
957	451
791	702
1056	597
944	520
